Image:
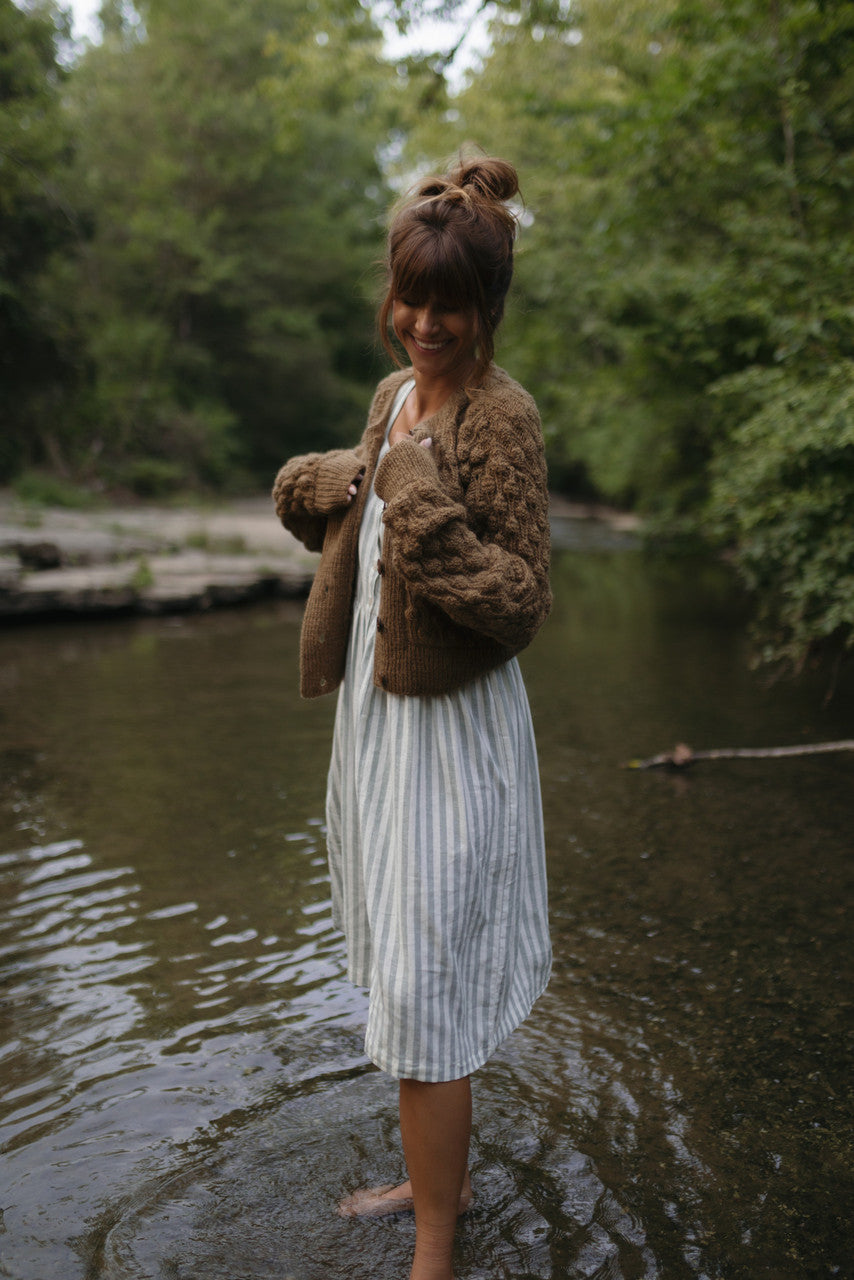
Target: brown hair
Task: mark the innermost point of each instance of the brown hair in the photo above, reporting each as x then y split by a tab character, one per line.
451	239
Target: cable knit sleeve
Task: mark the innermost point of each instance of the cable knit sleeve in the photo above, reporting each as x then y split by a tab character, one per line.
309	488
484	560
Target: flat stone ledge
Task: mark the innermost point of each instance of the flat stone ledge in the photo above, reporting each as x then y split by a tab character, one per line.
139	560
124	588
49	548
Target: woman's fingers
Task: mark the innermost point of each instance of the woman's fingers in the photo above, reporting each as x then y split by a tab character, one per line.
426	443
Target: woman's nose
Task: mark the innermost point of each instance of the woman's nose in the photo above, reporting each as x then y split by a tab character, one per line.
427	319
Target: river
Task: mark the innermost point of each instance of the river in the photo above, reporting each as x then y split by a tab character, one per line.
184	1090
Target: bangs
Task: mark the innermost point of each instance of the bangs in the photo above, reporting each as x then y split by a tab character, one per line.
432	266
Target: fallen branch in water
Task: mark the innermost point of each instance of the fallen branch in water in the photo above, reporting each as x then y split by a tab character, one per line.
682	755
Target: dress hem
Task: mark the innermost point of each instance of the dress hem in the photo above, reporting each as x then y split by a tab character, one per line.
469	1065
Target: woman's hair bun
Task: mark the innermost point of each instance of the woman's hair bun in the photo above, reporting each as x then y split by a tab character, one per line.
483	179
487	176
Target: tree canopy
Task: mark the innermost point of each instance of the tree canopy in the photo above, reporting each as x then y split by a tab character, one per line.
686	307
226	157
35	223
191	213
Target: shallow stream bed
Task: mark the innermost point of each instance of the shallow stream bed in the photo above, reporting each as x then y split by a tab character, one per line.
183	1090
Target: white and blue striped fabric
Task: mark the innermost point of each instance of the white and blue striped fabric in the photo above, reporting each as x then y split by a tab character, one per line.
436	852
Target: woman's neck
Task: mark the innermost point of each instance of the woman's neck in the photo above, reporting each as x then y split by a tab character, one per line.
429	394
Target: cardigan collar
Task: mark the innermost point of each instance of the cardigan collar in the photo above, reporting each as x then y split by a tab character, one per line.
439	423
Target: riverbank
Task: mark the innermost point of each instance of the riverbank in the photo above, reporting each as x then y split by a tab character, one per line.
145	559
154	559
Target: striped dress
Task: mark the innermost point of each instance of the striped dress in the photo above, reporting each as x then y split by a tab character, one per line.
436	853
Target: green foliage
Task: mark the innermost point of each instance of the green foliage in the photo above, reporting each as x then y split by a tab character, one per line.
150	477
35	224
143	576
783	495
43	489
226	165
685	265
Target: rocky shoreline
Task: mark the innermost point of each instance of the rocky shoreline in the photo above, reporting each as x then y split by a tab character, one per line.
157	560
145	560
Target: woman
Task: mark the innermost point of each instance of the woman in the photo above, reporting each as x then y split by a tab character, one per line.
433	575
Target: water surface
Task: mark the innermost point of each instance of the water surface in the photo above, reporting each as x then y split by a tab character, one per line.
184	1090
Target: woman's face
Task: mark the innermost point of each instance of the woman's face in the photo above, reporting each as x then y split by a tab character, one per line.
439	341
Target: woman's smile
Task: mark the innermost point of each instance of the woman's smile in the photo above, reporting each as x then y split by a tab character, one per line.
430	346
439	340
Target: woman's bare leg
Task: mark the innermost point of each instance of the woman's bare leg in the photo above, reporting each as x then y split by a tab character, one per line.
435	1125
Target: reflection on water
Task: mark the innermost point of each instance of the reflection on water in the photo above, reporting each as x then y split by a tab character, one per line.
184	1091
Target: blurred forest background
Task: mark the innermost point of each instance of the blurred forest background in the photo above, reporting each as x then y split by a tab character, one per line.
192	210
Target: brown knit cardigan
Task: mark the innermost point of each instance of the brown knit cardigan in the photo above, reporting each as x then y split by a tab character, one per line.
465	558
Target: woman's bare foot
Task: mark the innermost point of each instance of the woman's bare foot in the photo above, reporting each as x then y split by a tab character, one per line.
376	1202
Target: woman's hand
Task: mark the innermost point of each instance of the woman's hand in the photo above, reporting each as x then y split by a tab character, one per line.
425	443
353	487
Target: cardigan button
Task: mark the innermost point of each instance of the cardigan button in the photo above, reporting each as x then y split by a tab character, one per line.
384	681
380	626
380	567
